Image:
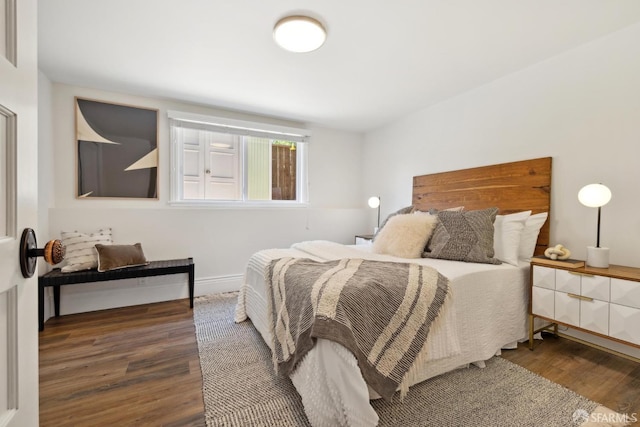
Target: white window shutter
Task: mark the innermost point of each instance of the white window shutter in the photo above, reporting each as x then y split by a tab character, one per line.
222	167
193	176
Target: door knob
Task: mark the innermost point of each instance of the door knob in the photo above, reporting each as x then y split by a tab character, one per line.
53	252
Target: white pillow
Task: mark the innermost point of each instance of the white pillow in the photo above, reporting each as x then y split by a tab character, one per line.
405	236
506	236
80	251
529	235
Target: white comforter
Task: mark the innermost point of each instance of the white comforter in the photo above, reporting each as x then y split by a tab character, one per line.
487	313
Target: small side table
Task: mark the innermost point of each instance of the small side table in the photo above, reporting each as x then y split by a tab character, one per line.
364	239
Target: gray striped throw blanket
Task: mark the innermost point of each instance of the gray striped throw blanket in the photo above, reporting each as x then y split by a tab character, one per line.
380	311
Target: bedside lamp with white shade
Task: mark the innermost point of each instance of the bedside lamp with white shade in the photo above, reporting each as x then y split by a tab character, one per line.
374	202
596	196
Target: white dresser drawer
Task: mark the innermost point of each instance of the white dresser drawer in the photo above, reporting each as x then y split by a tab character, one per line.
542	302
544	277
594	316
624	323
567	309
596	287
625	292
568	282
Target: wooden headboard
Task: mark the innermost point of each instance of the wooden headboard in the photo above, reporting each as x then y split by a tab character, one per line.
512	187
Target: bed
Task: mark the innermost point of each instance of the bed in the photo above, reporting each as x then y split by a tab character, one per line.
484	312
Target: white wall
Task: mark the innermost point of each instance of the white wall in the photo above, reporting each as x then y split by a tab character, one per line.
45	169
45	160
582	108
220	240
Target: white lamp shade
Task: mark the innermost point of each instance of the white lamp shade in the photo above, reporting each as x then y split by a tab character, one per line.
374	202
299	34
594	195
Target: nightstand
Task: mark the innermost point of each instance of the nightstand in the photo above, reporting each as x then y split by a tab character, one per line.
600	301
364	239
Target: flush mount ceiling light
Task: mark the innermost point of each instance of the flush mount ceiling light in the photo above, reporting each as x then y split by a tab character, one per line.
299	33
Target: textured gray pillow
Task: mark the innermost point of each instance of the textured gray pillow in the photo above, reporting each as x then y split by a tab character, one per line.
464	236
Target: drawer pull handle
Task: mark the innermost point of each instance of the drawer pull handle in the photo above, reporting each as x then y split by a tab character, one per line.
580	297
581	274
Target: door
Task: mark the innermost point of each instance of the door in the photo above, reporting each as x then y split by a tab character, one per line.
18	210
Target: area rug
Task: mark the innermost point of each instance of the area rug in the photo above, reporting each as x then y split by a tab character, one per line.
240	387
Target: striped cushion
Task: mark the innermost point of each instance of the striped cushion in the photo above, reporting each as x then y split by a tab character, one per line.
80	251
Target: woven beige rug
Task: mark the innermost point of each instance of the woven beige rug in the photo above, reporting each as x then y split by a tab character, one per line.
241	388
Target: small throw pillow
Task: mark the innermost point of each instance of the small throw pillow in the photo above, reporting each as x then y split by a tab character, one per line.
402	211
464	236
404	236
112	257
506	236
529	235
80	253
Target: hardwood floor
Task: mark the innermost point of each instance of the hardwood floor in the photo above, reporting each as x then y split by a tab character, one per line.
139	366
131	366
603	377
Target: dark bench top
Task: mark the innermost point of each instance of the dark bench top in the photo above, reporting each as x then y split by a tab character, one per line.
154	268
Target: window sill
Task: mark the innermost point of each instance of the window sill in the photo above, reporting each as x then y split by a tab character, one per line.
224	204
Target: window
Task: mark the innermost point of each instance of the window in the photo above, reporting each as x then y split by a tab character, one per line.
217	160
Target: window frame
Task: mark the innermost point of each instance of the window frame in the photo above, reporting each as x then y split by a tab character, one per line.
243	128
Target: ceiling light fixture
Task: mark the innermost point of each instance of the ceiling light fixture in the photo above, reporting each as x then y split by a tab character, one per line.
299	34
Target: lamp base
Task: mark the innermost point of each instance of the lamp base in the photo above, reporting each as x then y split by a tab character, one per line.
597	257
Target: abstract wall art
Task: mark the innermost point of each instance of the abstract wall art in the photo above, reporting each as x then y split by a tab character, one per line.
117	150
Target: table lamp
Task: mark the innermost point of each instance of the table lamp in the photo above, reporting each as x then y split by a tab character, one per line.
596	196
374	202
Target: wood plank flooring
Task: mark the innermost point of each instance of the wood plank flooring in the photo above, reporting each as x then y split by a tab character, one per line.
138	366
134	366
603	377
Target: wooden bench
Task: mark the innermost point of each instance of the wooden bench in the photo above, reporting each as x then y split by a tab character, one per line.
56	278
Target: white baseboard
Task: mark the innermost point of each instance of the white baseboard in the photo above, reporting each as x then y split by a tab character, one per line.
217	285
85	297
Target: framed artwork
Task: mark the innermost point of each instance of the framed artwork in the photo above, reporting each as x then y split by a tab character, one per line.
117	150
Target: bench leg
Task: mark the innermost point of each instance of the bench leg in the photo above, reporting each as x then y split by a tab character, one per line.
191	284
56	300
